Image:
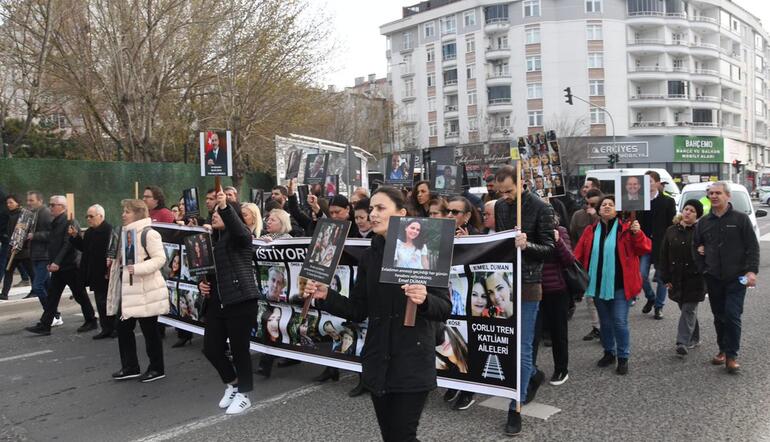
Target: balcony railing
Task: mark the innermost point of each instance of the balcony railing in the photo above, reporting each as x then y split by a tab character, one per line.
704	18
450	83
505	130
450	57
705	124
706	72
648	41
450	108
494	101
498	48
730	102
452	134
707	98
498	21
499	74
649	124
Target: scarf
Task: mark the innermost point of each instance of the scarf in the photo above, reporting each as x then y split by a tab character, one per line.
608	263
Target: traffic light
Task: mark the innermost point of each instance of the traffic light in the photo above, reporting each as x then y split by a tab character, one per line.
568	95
613	159
737	166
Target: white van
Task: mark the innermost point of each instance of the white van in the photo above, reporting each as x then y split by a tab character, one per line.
739	198
670	187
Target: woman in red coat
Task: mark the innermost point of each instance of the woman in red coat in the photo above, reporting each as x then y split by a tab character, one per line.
610	250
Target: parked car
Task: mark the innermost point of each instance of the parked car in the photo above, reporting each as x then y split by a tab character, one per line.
739	197
764	194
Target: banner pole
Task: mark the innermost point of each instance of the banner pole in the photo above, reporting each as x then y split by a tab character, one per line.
136	190
518	283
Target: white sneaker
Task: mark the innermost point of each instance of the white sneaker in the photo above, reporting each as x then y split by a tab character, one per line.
227	399
240	403
57	321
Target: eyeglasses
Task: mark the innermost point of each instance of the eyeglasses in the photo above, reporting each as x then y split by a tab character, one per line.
90	216
455	212
145	197
55	204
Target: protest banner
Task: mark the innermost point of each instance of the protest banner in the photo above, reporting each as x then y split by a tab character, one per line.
480	350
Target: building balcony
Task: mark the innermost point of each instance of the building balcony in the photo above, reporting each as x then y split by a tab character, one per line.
659	100
701	49
495	25
708	102
500	105
450	86
451	138
708	76
704	23
498	53
647	45
502	78
449	60
450	111
409	96
646	18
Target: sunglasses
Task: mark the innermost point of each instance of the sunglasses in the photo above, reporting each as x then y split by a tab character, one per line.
455	212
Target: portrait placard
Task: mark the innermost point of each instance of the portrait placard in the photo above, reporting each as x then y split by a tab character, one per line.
332	186
315	168
129	247
216	153
191	202
200	256
447	179
325	250
634	193
258	198
418	251
293	160
399	170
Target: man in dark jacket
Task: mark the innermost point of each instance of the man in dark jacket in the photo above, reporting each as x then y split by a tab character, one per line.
63	265
654	224
536	241
726	252
38	248
93	264
21	257
3	233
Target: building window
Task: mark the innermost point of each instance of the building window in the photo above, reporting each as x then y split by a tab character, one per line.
450	77
534	91
533	35
501	42
406	41
470	71
533	63
759	63
473	124
431	104
469	18
500	69
759	107
594	32
409	111
449	51
406	64
759	86
596	88
597	116
496	14
431	79
430	54
470	44
593	5
429	29
531	8
595	60
535	118
433	130
471	98
409	87
759	42
448	25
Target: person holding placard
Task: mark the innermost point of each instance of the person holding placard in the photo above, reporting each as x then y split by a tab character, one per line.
398	362
610	250
231	304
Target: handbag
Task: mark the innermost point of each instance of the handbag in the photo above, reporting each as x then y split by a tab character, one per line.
576	278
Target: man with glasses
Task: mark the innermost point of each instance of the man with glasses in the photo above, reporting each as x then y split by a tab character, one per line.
156	201
62	264
580	220
38	250
93	263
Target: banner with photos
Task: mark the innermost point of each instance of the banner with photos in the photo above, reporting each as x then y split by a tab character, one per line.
480	349
541	165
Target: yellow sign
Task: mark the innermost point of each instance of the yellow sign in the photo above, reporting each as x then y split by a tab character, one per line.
515	153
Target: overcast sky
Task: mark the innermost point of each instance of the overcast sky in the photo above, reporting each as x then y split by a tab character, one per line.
362	48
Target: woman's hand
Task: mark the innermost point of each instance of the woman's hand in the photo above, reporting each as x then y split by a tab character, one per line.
460	231
556	235
72	231
221	200
266	238
109	262
290	187
312	201
130	269
205	288
316	290
635	227
669	286
416	292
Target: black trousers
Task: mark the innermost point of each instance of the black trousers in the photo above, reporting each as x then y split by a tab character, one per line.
152	343
59	280
398	415
552	316
238	329
107	323
8	278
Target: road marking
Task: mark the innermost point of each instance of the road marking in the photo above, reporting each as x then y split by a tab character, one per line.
181	430
26	355
532	409
765	237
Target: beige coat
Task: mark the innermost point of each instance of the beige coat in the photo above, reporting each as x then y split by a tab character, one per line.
148	295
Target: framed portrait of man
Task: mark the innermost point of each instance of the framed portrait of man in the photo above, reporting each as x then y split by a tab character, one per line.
315	168
216	153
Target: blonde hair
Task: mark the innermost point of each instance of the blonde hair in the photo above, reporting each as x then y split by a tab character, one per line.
137	207
256	229
283	217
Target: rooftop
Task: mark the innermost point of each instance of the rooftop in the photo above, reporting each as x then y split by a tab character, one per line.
424	6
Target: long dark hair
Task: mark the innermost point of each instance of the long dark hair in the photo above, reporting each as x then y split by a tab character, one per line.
420	240
416	207
394	194
475	219
263	320
459	347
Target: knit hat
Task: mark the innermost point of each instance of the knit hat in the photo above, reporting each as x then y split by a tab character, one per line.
339	201
695	204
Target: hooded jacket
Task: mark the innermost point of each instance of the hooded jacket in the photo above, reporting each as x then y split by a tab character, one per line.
677	266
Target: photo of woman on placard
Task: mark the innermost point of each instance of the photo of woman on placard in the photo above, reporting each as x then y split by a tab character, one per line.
411	250
479	297
271	324
347	342
452	352
498	286
174	264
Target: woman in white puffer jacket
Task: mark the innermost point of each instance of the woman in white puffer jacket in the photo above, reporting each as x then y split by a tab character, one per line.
138	293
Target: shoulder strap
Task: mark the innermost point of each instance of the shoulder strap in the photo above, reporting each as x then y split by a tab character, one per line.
143	239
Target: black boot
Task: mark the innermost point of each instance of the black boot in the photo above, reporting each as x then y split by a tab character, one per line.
606	360
622	366
358	390
513	426
328	373
265	365
181	342
535	382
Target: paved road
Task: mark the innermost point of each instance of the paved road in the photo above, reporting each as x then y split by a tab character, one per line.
59	388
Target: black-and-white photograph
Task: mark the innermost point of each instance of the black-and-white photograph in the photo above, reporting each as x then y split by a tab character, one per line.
293	160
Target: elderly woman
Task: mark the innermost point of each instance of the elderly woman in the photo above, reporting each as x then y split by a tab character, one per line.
278	225
252	217
610	250
678	271
138	293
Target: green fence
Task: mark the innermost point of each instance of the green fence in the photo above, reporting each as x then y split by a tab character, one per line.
107	183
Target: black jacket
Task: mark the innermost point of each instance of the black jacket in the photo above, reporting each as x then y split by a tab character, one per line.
537	223
655	221
731	246
38	246
677	266
93	263
4	218
60	251
395	359
235	277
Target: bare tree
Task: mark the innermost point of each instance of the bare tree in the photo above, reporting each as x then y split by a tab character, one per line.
568	129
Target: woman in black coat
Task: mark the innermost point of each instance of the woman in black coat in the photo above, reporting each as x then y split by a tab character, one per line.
398	362
680	274
231	304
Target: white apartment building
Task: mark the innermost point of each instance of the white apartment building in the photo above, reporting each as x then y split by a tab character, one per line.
673	74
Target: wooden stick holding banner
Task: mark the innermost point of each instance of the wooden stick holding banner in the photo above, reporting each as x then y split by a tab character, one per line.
136	190
70	206
410	315
516	156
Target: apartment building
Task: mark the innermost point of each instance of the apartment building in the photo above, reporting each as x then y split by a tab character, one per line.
672	75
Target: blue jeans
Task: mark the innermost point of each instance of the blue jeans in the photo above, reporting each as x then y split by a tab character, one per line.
659	295
726	299
40	281
613	317
528	319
